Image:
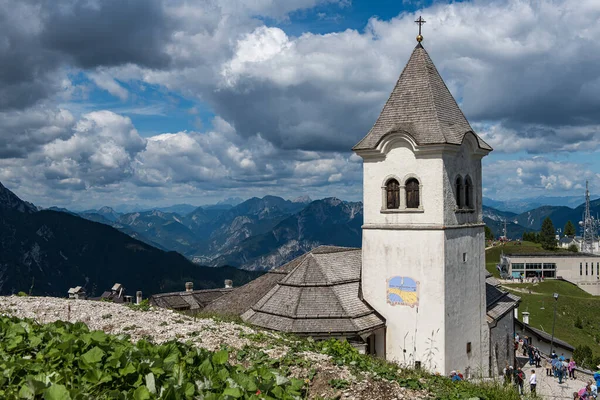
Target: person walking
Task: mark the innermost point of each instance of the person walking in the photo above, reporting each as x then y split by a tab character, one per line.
537	358
519	380
548	366
532	382
597	375
572	366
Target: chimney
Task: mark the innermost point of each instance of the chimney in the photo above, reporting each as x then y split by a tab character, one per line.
525	317
138	297
228	283
189	286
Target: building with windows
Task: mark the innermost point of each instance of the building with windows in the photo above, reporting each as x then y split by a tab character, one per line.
415	293
578	268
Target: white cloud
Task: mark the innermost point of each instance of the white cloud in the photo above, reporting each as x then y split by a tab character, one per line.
537	176
106	82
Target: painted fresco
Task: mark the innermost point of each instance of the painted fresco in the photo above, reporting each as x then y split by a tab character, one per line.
402	290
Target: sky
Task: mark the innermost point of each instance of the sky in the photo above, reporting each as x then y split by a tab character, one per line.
160	102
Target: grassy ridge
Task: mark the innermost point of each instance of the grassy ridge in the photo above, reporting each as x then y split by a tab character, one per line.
573	304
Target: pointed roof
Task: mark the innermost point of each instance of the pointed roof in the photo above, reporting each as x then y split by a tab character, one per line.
422	106
319	296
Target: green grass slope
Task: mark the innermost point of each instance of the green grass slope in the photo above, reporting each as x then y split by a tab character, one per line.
573	304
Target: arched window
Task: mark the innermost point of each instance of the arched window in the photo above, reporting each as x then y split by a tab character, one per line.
392	191
469	201
412	193
459	188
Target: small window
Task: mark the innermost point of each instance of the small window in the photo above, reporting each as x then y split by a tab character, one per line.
412	193
586	269
580	269
468	347
459	189
392	189
464	257
469	193
597	269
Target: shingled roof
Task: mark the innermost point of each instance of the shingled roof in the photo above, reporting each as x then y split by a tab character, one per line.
320	295
422	106
499	302
194	300
242	298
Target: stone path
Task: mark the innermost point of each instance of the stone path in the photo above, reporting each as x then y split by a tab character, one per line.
548	387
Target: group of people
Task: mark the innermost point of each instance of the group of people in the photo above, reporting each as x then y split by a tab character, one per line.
560	368
518	377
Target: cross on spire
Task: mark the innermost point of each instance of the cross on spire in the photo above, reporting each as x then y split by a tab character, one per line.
420	21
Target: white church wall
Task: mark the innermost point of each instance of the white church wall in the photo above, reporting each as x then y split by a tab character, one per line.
415	329
462	163
464	298
401	162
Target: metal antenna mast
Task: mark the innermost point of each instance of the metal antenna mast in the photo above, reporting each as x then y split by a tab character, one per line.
589	226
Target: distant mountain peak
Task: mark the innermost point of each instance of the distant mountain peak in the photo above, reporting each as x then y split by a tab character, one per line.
302	199
9	200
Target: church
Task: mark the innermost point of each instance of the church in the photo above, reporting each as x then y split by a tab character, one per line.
416	292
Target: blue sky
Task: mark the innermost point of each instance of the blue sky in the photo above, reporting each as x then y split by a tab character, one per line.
157	102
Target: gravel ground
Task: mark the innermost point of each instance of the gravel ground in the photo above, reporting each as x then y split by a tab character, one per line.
160	325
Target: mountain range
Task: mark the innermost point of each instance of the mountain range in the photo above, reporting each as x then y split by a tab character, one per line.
260	234
46	252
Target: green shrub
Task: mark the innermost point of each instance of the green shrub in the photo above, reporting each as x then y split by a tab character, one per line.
68	361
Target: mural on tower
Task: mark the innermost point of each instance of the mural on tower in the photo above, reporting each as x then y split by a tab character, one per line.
402	290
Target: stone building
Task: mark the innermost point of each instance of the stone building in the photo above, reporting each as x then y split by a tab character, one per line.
415	293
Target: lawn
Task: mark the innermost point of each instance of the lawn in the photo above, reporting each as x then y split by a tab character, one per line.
572	302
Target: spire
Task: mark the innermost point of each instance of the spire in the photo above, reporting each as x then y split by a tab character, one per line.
422	106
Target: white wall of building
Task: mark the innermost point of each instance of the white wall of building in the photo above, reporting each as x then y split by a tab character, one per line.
427	246
465	301
580	269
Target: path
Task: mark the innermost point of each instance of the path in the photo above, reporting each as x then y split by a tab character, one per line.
548	387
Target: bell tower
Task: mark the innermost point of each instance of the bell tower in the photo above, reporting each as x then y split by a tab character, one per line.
423	256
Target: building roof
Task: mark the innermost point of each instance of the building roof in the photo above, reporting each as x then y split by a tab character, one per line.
320	295
543	336
499	303
193	300
242	298
566	254
421	106
76	289
490	279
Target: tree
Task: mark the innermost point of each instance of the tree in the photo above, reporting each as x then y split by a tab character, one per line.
584	356
548	235
489	235
573	248
569	229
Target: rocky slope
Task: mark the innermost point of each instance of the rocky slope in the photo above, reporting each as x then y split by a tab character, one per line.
159	325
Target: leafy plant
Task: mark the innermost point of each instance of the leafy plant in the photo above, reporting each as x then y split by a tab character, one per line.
63	361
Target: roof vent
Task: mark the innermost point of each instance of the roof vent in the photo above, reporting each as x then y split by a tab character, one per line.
189	286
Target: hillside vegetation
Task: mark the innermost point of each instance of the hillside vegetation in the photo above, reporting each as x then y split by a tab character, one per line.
184	358
578	313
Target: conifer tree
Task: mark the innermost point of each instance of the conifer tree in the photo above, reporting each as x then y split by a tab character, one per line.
569	229
489	235
547	235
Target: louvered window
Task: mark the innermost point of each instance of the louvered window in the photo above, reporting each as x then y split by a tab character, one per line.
468	193
459	188
412	193
392	189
